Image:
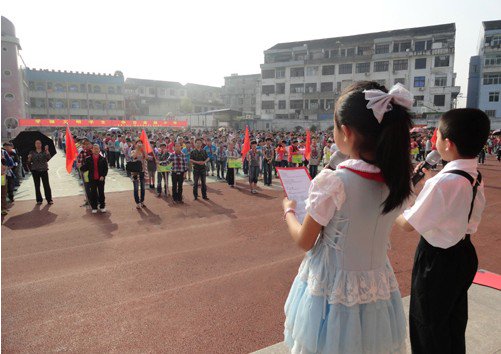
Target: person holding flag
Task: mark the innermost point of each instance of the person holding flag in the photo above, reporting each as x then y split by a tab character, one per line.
97	169
245	149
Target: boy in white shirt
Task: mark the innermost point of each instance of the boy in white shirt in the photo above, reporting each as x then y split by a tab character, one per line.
446	212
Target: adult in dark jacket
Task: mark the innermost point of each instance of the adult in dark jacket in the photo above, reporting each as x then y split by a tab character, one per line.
98	169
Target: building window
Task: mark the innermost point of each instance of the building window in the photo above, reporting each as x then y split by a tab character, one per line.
400	80
382	48
381	82
326	87
296	88
280	73
345	68
97	89
494	96
380	66
329	104
492	79
493	60
268	74
312	71
151	91
75	104
328	69
419	81
59	88
172	92
441	81
280	88
112	105
362	50
310	88
400	64
59	104
418	101
73	88
4	49
267	104
7	73
439	100
401	47
296	104
39	86
281	104
297	72
111	90
334	53
363	68
441	61
267	89
338	87
420	63
420	46
9	97
119	90
83	88
491	113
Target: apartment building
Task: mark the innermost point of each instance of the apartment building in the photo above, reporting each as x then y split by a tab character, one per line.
239	92
302	80
75	95
484	80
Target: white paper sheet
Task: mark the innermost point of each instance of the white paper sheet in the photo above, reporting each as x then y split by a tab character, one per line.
296	183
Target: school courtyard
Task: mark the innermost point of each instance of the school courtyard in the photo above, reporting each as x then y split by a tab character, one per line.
203	277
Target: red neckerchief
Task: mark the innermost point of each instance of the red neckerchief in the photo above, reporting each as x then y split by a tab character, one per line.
375	176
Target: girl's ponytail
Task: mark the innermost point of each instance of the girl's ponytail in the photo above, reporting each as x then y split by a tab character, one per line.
393	157
387	141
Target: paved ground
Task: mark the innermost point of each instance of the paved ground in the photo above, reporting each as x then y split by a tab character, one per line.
205	277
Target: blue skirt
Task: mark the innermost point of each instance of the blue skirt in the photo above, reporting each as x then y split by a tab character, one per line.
377	327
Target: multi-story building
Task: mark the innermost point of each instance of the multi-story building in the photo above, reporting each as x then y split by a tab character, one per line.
302	80
153	99
240	91
484	80
75	95
13	87
204	98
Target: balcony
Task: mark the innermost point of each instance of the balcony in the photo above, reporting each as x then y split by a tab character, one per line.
97	96
38	110
116	112
58	111
54	94
37	94
97	112
115	97
492	49
492	68
78	111
77	95
444	90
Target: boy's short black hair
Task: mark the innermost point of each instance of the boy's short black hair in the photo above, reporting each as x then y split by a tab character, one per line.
253	142
268	139
467	128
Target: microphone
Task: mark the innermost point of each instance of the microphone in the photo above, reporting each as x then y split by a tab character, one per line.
431	160
336	159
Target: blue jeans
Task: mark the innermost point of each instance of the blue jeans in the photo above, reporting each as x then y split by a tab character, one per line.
138	180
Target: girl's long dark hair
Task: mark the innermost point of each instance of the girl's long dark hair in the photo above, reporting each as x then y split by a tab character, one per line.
388	142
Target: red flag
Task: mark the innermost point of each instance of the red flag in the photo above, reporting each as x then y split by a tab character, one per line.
71	150
434	140
146	142
246	147
307	151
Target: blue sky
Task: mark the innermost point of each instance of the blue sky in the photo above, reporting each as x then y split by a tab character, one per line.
203	41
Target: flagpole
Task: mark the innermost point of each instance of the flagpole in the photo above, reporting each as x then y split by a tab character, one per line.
87	204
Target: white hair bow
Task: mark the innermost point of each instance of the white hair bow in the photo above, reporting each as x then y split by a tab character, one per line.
380	102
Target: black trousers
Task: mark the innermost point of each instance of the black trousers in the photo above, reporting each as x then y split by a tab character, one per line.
44	176
230	176
313	170
267	170
439	297
202	177
177	186
96	193
111	158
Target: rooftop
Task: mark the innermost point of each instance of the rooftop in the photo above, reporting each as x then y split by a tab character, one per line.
155	83
492	25
73	76
335	41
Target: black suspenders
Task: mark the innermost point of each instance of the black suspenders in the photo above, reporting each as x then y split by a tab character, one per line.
474	184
